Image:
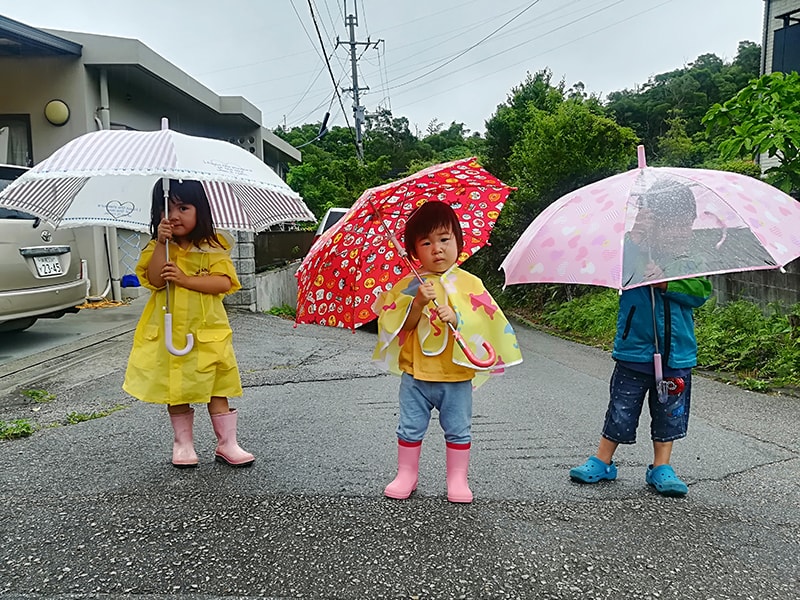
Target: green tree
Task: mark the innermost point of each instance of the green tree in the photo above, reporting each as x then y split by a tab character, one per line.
686	93
557	152
330	174
675	146
389	137
763	118
452	143
506	125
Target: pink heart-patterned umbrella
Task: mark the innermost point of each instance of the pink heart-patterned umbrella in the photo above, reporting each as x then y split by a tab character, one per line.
650	225
736	223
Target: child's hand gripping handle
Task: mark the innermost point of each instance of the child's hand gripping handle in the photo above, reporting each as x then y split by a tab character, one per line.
484	363
168	338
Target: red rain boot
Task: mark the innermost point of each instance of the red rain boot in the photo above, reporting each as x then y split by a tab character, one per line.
457	465
183	454
407	470
228	450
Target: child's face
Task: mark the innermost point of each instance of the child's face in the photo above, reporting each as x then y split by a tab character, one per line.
183	218
437	251
655	232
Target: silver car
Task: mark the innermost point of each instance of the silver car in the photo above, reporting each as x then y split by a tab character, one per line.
41	271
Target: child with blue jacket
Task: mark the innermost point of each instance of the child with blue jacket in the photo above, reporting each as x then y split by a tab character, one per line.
653	319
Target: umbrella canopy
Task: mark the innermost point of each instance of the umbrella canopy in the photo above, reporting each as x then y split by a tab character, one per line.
612	232
107	177
359	258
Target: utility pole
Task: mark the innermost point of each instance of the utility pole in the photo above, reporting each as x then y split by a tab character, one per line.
351	22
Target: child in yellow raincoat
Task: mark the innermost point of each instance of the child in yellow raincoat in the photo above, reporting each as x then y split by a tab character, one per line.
200	273
414	340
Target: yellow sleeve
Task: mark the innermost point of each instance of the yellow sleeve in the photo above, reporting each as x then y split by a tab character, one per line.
222	264
141	266
392	308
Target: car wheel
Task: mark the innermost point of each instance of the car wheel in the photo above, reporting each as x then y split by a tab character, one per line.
17	325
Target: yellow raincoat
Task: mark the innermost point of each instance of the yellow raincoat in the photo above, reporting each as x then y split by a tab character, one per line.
209	368
479	319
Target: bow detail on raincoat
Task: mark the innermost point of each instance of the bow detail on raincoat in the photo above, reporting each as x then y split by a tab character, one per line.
479	319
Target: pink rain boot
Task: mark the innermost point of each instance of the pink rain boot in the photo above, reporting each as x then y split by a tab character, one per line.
228	450
407	470
457	465
183	454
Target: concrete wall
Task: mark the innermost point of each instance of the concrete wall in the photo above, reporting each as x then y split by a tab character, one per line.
761	287
29	85
277	287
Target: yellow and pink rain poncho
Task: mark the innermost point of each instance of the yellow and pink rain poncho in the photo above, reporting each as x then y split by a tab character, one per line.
480	321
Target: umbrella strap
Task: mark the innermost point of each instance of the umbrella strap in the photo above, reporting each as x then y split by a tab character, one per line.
653	306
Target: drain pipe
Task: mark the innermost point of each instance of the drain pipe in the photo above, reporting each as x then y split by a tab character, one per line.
110	232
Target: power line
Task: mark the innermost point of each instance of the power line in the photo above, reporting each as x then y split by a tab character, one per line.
473	46
543	52
330	71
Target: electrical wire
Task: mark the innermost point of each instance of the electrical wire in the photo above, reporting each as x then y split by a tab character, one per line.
333	79
472	47
572	41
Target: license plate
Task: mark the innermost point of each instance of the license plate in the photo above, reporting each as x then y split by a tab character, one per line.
47	266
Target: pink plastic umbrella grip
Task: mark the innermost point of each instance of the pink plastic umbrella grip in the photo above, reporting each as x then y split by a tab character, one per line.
662	387
657	367
478	362
168	338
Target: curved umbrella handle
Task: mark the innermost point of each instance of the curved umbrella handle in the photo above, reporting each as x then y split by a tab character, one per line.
168	338
484	363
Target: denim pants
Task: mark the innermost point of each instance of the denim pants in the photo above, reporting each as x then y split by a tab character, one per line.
418	398
628	389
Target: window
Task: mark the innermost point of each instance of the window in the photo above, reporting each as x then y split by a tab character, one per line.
15	140
786	44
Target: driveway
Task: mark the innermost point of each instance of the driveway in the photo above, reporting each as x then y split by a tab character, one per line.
96	510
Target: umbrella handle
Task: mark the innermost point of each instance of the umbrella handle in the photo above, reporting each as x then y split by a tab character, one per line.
662	387
168	338
484	363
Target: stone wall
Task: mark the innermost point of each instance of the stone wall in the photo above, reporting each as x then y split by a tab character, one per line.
761	287
264	289
243	255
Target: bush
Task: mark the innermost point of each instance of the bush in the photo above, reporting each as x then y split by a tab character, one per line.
762	348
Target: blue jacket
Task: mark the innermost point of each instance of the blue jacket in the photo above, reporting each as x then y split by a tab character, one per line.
635	340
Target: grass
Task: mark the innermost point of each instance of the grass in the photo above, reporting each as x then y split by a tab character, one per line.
73	418
285	312
39	396
17	428
755	349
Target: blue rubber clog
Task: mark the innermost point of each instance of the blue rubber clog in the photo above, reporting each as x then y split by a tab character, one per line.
666	482
593	470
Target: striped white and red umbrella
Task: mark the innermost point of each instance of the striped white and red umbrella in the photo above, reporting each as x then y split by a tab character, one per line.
107	177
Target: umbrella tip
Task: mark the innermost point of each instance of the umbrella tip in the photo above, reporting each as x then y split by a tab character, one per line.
164	123
640	156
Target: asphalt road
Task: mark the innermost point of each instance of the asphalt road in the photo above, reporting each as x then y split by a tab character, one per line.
95	510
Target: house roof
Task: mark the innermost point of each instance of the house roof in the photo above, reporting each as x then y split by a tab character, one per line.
132	66
18	39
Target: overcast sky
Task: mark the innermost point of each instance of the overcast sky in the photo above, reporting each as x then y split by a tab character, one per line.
451	60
